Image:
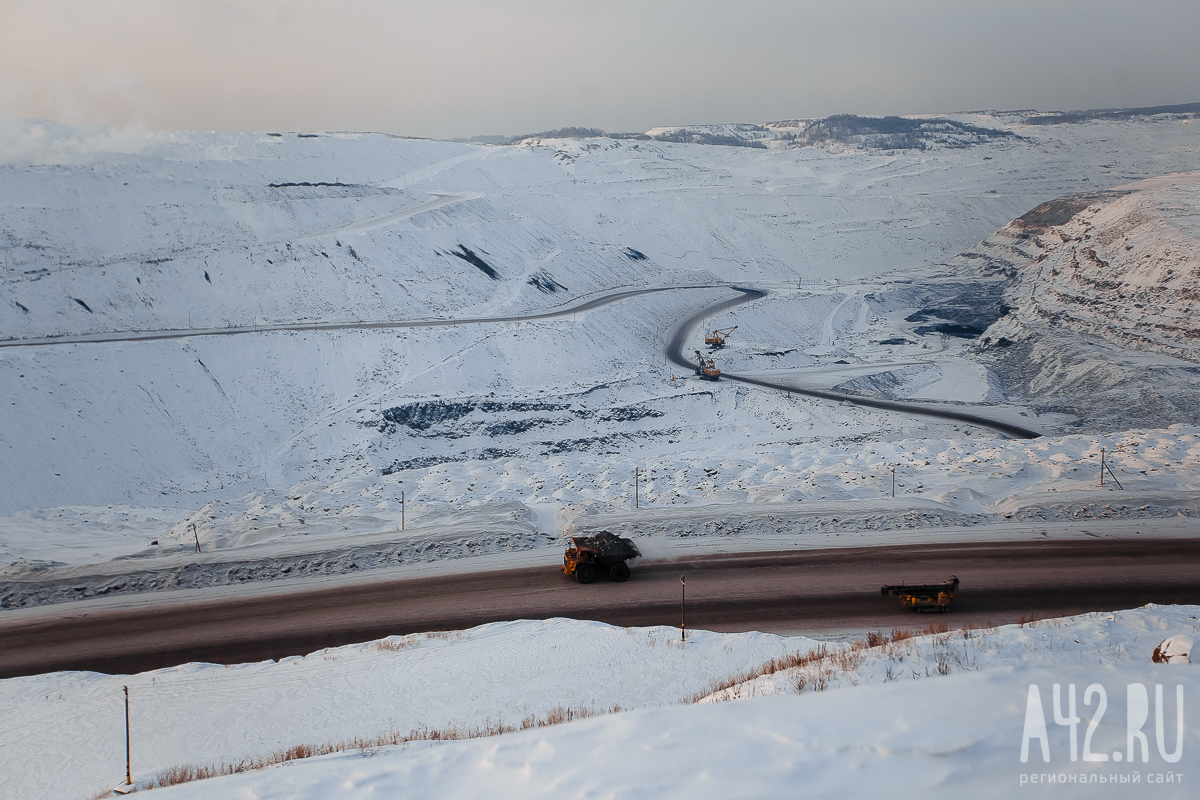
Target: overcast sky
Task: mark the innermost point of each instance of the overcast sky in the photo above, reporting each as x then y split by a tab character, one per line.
447	68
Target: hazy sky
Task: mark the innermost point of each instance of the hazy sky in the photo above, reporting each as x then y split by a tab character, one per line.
462	67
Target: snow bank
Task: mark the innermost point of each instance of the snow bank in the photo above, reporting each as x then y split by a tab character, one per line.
942	713
956	737
773	496
203	713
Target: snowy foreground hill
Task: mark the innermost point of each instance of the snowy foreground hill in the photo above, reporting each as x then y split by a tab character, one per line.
209	330
944	714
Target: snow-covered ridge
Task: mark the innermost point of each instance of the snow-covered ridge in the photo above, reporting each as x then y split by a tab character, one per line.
1102	638
1124	266
942	712
497	673
841	131
1097	318
774	497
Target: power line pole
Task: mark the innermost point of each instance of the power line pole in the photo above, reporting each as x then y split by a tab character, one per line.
893	483
128	778
637	480
197	535
682	608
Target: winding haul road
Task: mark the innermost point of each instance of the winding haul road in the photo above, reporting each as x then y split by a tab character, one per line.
186	333
678	335
682	330
785	592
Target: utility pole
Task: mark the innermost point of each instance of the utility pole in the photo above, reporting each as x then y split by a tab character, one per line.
197	535
893	483
682	608
637	479
1101	466
401	509
128	779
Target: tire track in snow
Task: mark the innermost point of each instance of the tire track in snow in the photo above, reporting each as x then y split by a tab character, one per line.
440	199
827	328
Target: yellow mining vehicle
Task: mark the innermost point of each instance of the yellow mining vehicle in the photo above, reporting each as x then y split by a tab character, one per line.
588	557
716	339
925	596
706	368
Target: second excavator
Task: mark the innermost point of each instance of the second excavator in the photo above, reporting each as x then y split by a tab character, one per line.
716	339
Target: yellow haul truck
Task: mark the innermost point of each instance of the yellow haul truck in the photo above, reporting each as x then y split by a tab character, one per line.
590	556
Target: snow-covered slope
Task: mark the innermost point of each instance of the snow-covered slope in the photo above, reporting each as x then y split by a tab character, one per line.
941	714
202	230
1098	314
490	675
1125	267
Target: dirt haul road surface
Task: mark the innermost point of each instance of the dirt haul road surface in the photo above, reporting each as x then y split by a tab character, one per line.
783	592
681	332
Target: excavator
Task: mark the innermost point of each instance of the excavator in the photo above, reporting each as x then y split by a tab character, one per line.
716	339
706	368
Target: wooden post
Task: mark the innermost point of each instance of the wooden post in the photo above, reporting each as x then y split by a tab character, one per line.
197	535
637	480
401	509
1101	466
128	778
682	608
893	483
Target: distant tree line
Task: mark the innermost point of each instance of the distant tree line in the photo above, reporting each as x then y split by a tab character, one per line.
1058	118
895	133
562	133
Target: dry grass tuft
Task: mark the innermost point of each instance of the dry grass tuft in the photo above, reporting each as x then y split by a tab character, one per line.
395	643
822	664
191	772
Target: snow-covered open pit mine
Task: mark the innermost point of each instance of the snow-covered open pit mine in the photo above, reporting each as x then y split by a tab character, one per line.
318	357
205	338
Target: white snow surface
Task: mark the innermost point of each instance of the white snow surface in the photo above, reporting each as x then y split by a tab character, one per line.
936	715
773	496
306	439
